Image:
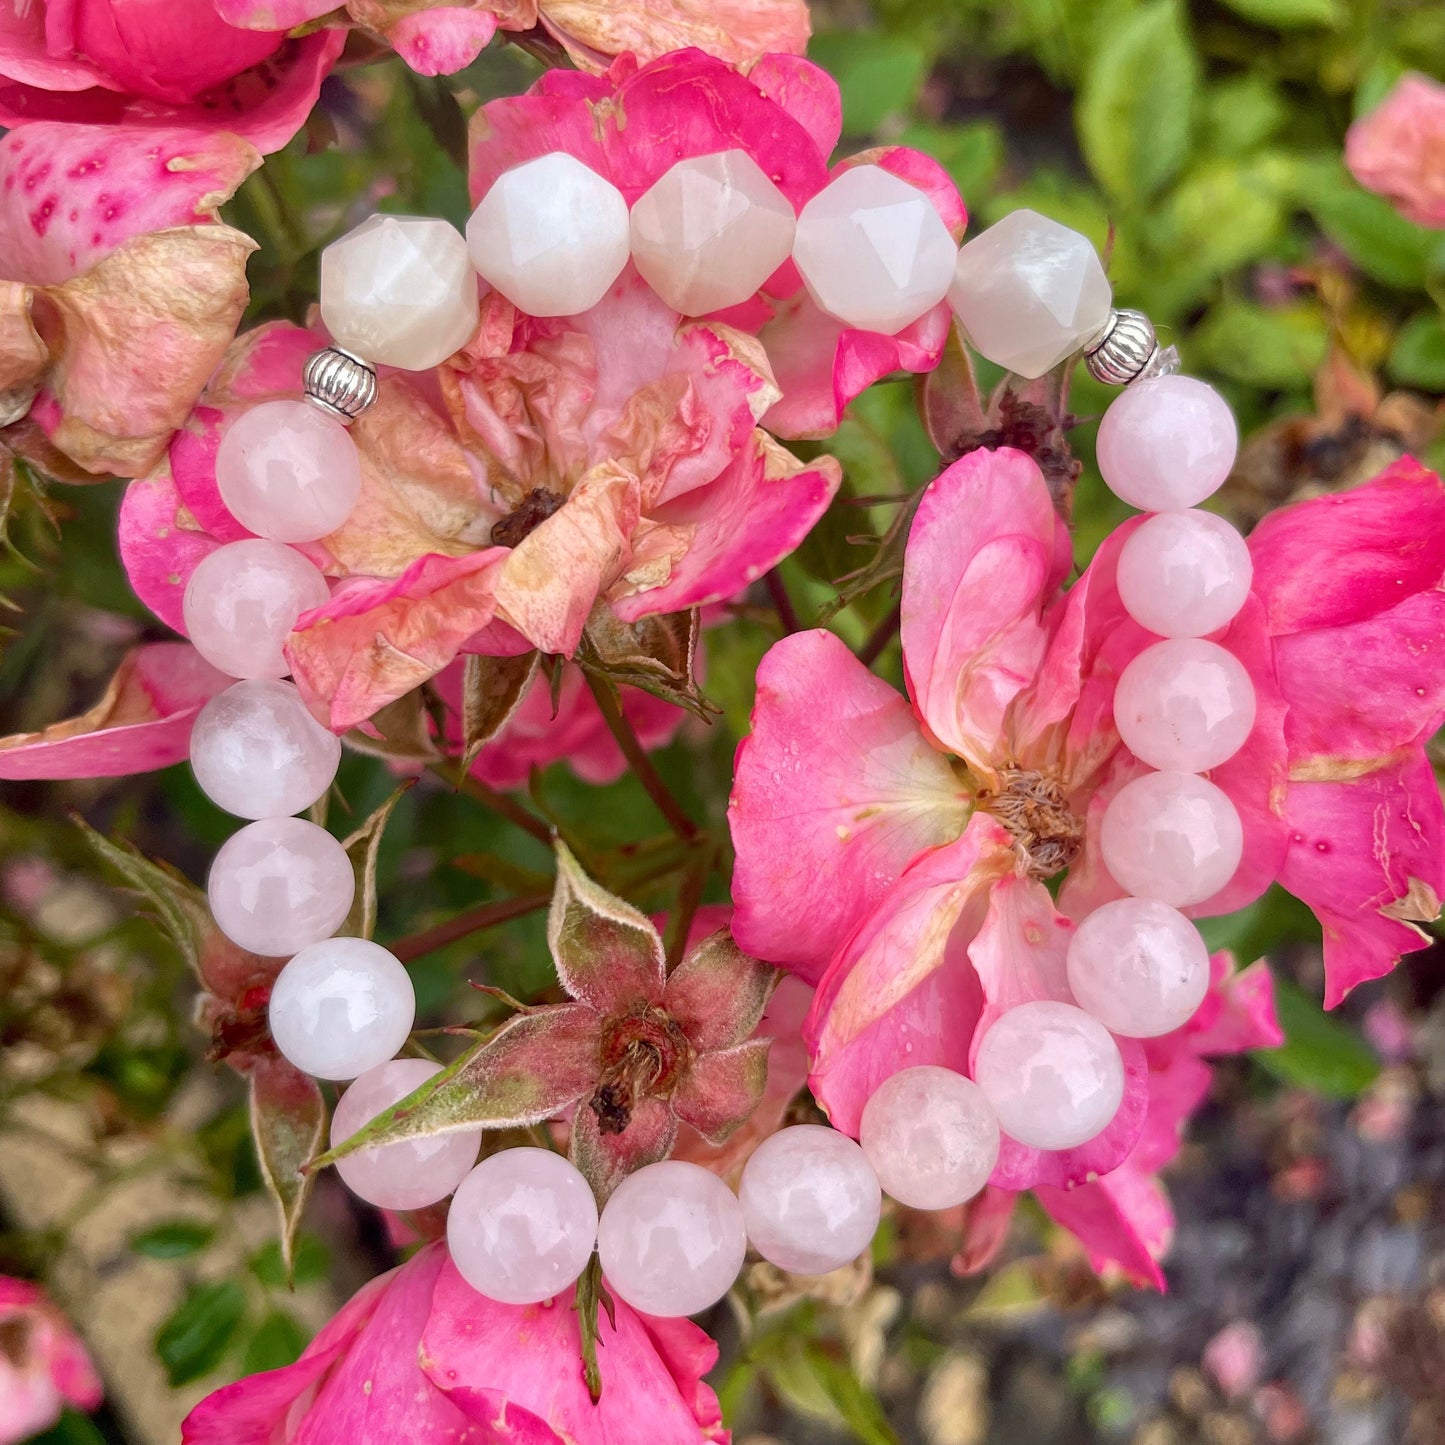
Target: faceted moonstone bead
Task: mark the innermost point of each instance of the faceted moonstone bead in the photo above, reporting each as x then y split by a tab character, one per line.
341	1007
522	1226
551	236
411	1173
399	291
810	1199
258	753
1184	704
672	1239
243	601
1053	1075
1171	836
931	1137
1029	292
288	472
710	232
1184	574
280	884
1167	443
1139	967
873	251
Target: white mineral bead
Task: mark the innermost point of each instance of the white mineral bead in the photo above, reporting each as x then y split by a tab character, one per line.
1184	574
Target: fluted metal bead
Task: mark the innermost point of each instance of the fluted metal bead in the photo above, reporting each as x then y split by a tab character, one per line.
339	383
1124	350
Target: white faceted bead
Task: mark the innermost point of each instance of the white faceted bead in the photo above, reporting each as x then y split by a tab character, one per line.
1185	704
1184	574
279	885
810	1199
258	753
399	291
522	1226
551	235
1171	836
873	251
672	1239
1029	293
341	1007
931	1137
1139	967
288	472
411	1173
1053	1075
710	232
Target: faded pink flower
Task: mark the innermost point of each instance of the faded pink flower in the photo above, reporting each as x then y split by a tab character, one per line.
43	1365
1398	150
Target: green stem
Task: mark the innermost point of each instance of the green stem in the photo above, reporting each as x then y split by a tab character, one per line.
416	945
880	637
499	803
689	897
636	755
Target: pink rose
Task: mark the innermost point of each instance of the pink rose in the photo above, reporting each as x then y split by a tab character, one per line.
43	1366
1398	150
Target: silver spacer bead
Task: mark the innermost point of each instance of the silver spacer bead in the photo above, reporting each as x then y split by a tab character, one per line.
339	383
1125	349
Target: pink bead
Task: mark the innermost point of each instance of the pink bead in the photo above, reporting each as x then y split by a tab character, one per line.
242	603
1171	836
288	472
522	1225
1185	704
672	1239
1167	443
1139	967
1184	574
411	1173
1053	1075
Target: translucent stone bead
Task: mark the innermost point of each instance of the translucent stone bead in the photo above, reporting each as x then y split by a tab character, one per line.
258	753
1185	704
931	1137
288	471
399	291
873	251
280	884
810	1199
1053	1075
1029	292
551	235
522	1226
1184	574
1139	967
1171	836
710	232
1167	443
672	1239
341	1007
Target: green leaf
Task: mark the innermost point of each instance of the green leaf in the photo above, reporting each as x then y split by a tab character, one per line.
311	1263
288	1123
1288	14
879	75
1380	241
1321	1051
1263	346
826	1388
1240	113
176	1239
71	1429
1418	355
193	1341
276	1342
363	847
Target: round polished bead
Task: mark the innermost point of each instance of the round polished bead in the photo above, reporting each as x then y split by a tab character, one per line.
1185	704
279	885
258	753
522	1226
1139	967
1167	443
1184	574
672	1239
931	1137
873	251
341	1007
810	1199
288	471
1054	1075
1171	836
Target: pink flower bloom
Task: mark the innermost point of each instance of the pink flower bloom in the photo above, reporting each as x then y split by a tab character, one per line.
1398	149
43	1365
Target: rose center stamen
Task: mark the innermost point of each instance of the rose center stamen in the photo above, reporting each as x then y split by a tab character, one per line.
1033	807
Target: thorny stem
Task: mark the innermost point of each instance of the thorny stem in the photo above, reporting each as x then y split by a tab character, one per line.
881	636
778	591
474	920
499	803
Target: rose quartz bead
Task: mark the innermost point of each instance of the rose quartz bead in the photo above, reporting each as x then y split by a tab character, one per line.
280	884
522	1225
1053	1075
931	1137
1184	574
1139	967
1185	704
258	753
1167	443
810	1199
1171	836
411	1173
288	472
672	1239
